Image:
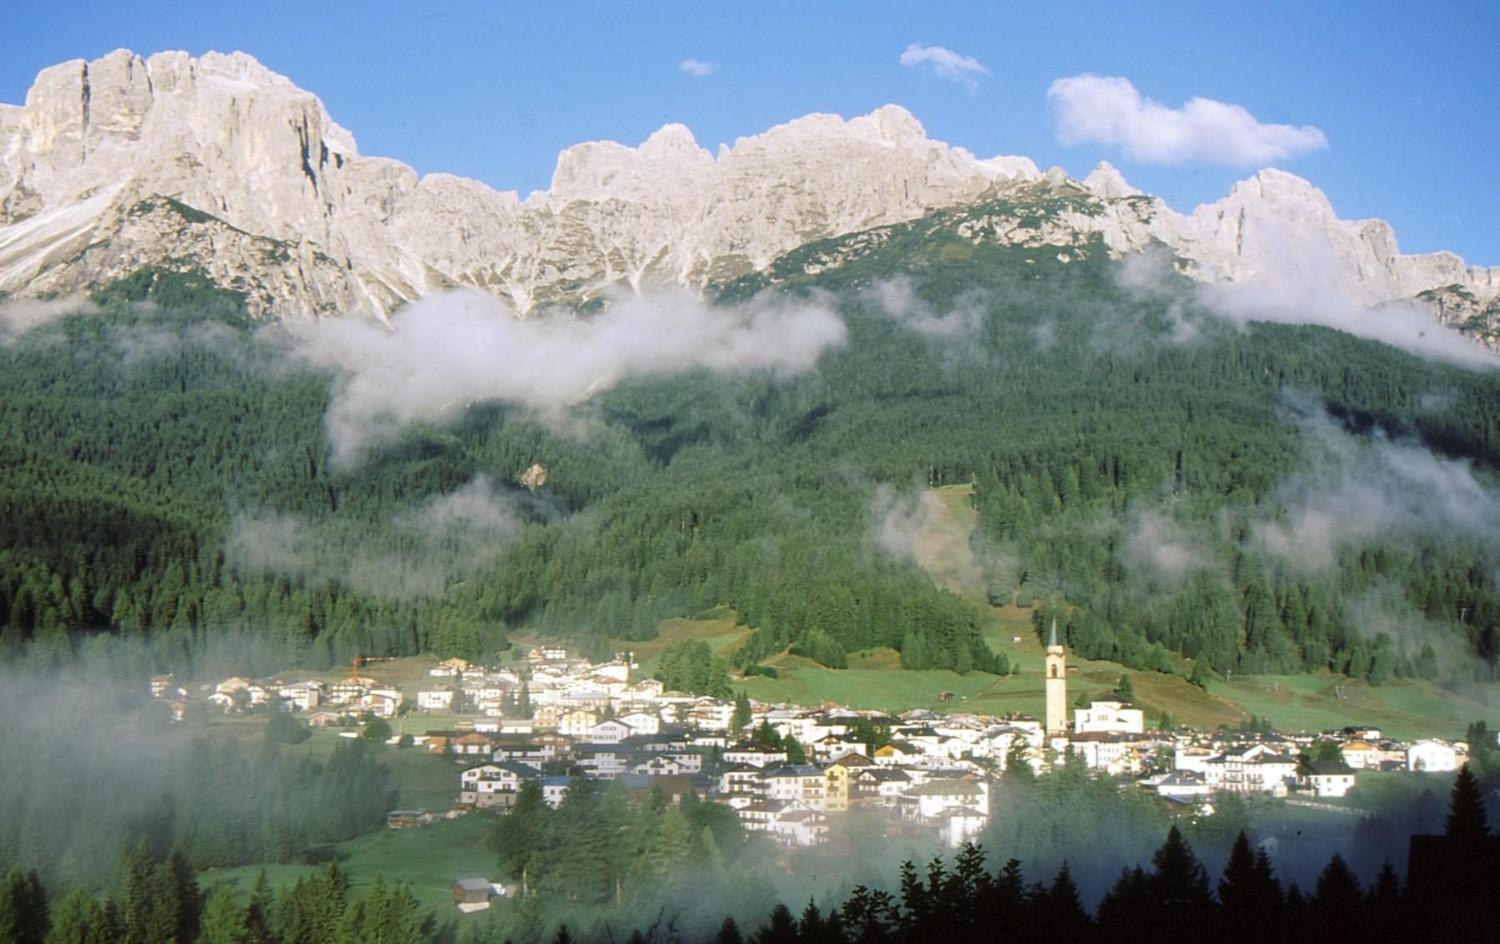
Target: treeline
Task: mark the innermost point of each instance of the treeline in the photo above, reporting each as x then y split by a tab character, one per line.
1446	897
689	665
184	490
158	901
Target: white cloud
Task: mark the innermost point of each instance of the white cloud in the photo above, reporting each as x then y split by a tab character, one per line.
1301	280
945	64
897	299
414	554
698	68
1356	492
17	316
1095	109
1164	551
903	521
447	351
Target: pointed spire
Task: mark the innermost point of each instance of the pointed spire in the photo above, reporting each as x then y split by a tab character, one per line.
1052	639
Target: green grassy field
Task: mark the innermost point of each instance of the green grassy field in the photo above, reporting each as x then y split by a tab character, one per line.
429	859
723	635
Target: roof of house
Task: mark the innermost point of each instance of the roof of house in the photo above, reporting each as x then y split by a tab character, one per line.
1328	768
946	788
887	774
1181	778
854	759
473	884
794	770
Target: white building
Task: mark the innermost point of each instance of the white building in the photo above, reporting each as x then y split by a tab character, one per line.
1112	752
1431	757
554	789
1251	769
642	722
606	732
1180	785
754	756
438	700
1108	717
493	784
802	783
795	826
1326	778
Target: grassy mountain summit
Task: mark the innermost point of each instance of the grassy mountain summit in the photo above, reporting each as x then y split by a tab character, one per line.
1182	494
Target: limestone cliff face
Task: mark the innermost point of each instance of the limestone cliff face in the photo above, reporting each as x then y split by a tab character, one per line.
220	164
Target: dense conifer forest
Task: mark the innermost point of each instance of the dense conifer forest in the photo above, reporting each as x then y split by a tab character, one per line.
166	476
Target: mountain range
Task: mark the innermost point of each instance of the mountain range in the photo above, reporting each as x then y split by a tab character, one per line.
220	165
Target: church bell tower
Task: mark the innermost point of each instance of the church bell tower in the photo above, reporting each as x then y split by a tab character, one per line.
1057	685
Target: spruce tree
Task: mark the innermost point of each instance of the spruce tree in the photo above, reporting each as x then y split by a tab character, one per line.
1337	902
1236	887
729	933
223	919
24	916
780	929
80	919
742	714
1467	822
258	912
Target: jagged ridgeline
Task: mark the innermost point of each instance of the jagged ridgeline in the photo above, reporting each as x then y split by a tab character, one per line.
166	474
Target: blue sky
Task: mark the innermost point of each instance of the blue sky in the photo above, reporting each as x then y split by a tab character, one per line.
1407	96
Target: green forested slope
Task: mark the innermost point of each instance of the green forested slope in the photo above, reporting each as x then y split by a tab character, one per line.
142	446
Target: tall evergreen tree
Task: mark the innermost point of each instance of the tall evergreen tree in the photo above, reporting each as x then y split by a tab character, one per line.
223	918
80	919
24	914
1467	822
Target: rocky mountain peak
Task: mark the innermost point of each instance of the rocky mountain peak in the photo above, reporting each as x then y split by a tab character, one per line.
1108	182
219	163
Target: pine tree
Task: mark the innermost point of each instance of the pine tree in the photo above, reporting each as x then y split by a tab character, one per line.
80	919
1178	879
258	913
729	933
869	916
780	929
24	916
1467	823
522	834
1064	914
223	919
742	714
1018	769
1337	902
1236	887
795	754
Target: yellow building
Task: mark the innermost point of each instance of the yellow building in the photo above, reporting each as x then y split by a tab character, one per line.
836	789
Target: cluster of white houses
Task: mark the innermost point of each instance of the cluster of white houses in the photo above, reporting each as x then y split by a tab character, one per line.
927	770
321	703
556	717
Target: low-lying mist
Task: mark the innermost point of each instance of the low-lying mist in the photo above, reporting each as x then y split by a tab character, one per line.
446	352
